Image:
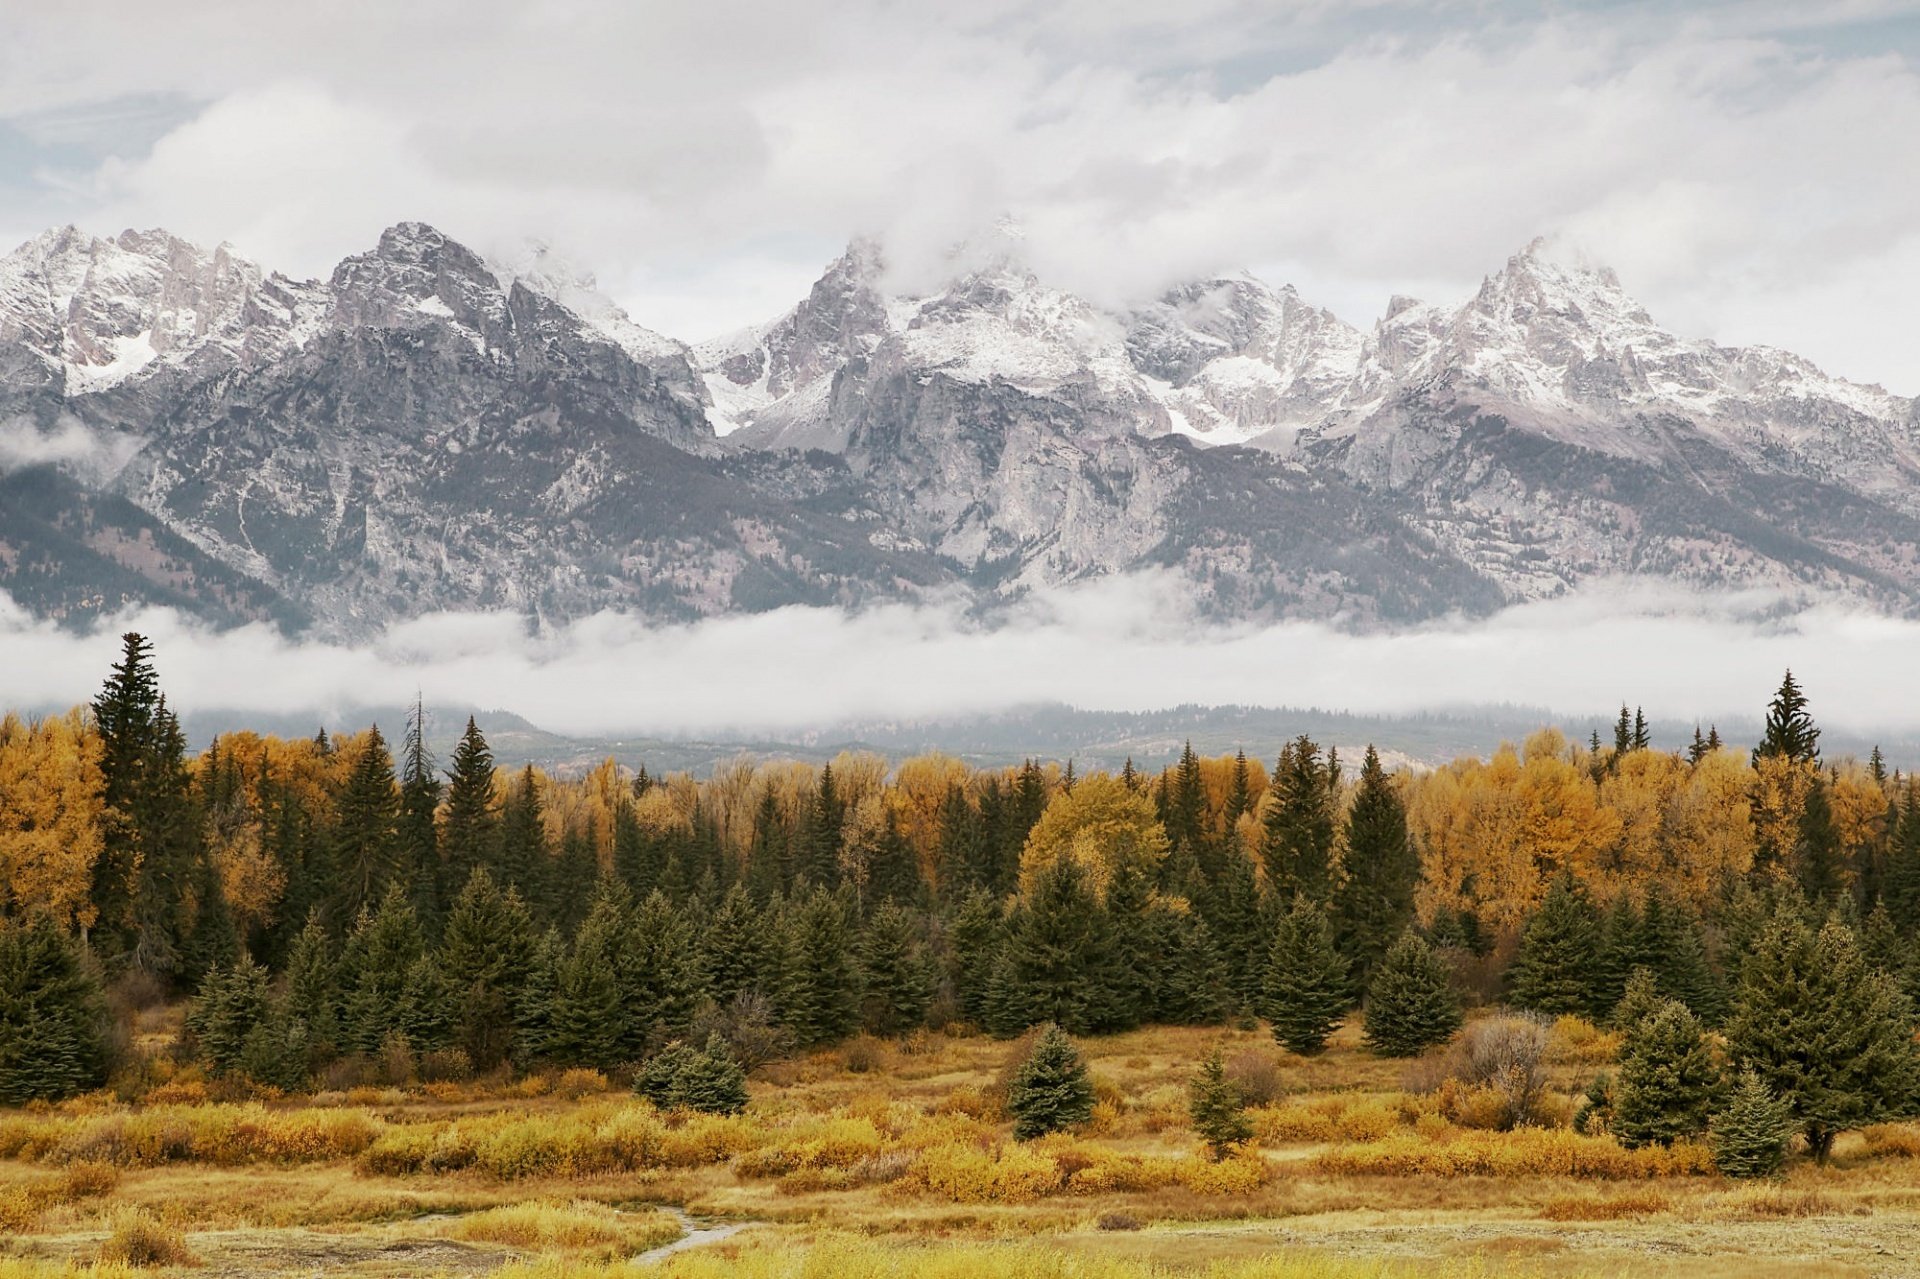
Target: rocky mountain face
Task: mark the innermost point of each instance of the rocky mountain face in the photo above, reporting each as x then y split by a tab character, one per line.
428	429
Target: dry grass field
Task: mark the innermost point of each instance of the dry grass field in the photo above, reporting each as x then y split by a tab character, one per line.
894	1159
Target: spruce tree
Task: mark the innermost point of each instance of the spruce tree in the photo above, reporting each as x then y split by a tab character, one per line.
1410	1003
536	1004
521	845
378	959
1750	1135
1300	823
1671	935
819	989
1554	970
485	954
1789	731
1818	859
712	1082
1050	1089
1900	888
417	842
472	824
736	955
661	970
1056	964
53	1015
1214	1103
313	988
1830	1035
427	1012
974	939
1306	993
232	1002
1191	986
896	976
366	829
1668	1082
1374	902
592	1021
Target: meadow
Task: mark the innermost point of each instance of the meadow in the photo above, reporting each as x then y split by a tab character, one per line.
895	1158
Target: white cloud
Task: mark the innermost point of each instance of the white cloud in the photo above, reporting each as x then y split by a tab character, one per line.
69	443
1743	165
1119	644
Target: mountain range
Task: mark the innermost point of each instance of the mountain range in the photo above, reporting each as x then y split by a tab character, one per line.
429	429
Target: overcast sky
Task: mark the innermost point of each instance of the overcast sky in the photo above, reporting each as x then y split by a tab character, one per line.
1750	168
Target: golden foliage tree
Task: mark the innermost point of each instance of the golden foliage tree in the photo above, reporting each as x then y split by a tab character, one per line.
50	811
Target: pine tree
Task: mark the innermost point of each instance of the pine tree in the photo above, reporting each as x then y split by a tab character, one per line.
1640	1000
313	988
53	1015
1218	1112
485	954
711	1082
1192	988
1410	1003
426	1014
1750	1136
592	1022
1830	1035
895	973
817	836
1056	963
1050	1090
366	829
536	1004
1554	970
974	940
473	821
1299	823
770	856
819	990
520	848
1240	799
1306	993
1668	1082
379	957
661	971
1789	729
1374	903
1818	857
660	1077
1135	961
735	953
1671	934
417	843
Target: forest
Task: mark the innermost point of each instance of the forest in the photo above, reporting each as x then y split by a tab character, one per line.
1694	962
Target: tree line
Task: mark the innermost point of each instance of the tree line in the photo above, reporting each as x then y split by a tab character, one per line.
331	899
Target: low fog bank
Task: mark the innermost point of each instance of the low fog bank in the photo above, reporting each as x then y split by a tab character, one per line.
909	673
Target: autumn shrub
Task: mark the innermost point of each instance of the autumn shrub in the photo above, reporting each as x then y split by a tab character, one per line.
1241	1174
1575	1041
446	1065
1006	1173
1116	1221
863	1054
1897	1140
1336	1117
138	1239
1620	1207
1534	1152
579	1082
1493	1076
1256	1074
578	1226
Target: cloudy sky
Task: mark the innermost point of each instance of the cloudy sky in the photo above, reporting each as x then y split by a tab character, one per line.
1748	167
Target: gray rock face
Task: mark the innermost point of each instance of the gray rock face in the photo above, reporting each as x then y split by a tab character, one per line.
428	429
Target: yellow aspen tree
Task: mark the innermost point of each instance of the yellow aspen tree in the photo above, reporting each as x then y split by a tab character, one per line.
50	814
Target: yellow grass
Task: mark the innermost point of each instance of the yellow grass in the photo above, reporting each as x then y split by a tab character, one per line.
578	1226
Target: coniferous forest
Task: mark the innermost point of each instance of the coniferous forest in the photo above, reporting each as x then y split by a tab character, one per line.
336	907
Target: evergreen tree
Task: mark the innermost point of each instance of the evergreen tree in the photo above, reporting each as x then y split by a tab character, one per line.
426	1013
893	872
1641	999
1135	963
1624	946
473	821
1374	903
485	955
1050	1090
277	1051
1300	823
1410	1004
1901	886
232	1002
1218	1112
536	1004
895	973
1789	729
1668	1080
1818	857
1306	993
1240	799
313	989
211	942
1191	985
817	836
735	954
1186	819
366	829
1831	1036
378	959
521	845
661	971
1671	935
1554	970
417	843
53	1015
1057	961
592	1022
819	995
1750	1136
973	953
960	836
712	1082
